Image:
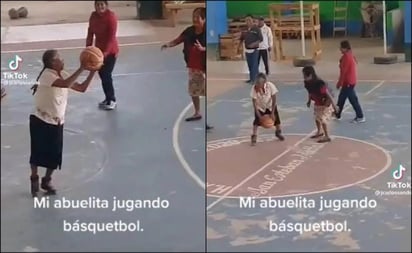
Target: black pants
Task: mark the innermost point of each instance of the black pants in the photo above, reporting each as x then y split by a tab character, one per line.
263	54
348	92
105	74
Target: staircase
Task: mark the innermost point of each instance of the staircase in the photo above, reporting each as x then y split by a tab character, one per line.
340	17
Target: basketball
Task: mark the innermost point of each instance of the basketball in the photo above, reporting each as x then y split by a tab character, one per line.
23	12
267	121
92	58
13	14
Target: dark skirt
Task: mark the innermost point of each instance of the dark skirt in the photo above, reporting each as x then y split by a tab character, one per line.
46	144
256	122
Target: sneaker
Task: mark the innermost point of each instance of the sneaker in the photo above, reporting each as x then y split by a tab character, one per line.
103	103
110	106
359	120
336	116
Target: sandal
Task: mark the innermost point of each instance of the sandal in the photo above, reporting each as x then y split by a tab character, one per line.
324	139
316	135
279	135
194	118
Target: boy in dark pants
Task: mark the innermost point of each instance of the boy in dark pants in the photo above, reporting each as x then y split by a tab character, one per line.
347	83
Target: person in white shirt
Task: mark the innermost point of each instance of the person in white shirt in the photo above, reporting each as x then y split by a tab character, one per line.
46	122
266	45
263	96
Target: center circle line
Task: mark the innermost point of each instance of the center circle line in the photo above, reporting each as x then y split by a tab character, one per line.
385	167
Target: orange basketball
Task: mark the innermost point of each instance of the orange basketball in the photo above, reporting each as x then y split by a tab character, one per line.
92	58
266	121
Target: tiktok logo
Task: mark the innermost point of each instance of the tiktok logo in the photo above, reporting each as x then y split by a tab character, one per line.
15	63
397	174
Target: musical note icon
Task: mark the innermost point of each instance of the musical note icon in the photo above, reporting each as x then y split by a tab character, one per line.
397	174
15	64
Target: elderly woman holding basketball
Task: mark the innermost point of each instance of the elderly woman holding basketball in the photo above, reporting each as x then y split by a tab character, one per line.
263	95
47	120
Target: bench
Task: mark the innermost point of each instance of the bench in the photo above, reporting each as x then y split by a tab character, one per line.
173	7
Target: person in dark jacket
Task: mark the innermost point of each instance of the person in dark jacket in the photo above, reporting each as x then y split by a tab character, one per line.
251	38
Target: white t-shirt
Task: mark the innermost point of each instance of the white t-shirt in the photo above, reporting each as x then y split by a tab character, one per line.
51	102
264	101
267	37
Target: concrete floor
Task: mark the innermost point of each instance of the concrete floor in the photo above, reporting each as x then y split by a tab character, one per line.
384	92
129	153
384	228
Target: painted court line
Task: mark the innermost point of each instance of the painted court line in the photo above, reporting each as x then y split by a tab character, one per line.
179	154
384	168
300	80
71	48
307	136
150	73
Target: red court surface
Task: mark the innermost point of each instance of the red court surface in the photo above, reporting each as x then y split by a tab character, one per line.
292	167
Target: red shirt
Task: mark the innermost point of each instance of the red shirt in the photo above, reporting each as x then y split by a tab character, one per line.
195	58
347	67
104	27
317	91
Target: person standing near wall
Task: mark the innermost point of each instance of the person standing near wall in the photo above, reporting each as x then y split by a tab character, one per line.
103	25
266	45
251	39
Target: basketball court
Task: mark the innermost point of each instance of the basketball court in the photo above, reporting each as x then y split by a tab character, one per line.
134	152
357	164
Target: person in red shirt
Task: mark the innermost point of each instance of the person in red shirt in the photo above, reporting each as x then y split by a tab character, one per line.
347	82
319	93
194	51
103	26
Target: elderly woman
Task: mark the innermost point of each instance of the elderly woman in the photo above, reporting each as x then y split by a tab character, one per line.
47	120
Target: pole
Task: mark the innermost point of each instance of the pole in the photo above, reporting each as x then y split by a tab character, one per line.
302	29
385	49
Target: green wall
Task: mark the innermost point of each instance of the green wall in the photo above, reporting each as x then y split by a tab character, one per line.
402	5
260	8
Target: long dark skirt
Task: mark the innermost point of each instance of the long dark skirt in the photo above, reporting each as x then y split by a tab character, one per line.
46	144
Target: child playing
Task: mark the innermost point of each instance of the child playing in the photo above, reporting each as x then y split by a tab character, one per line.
319	93
263	95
